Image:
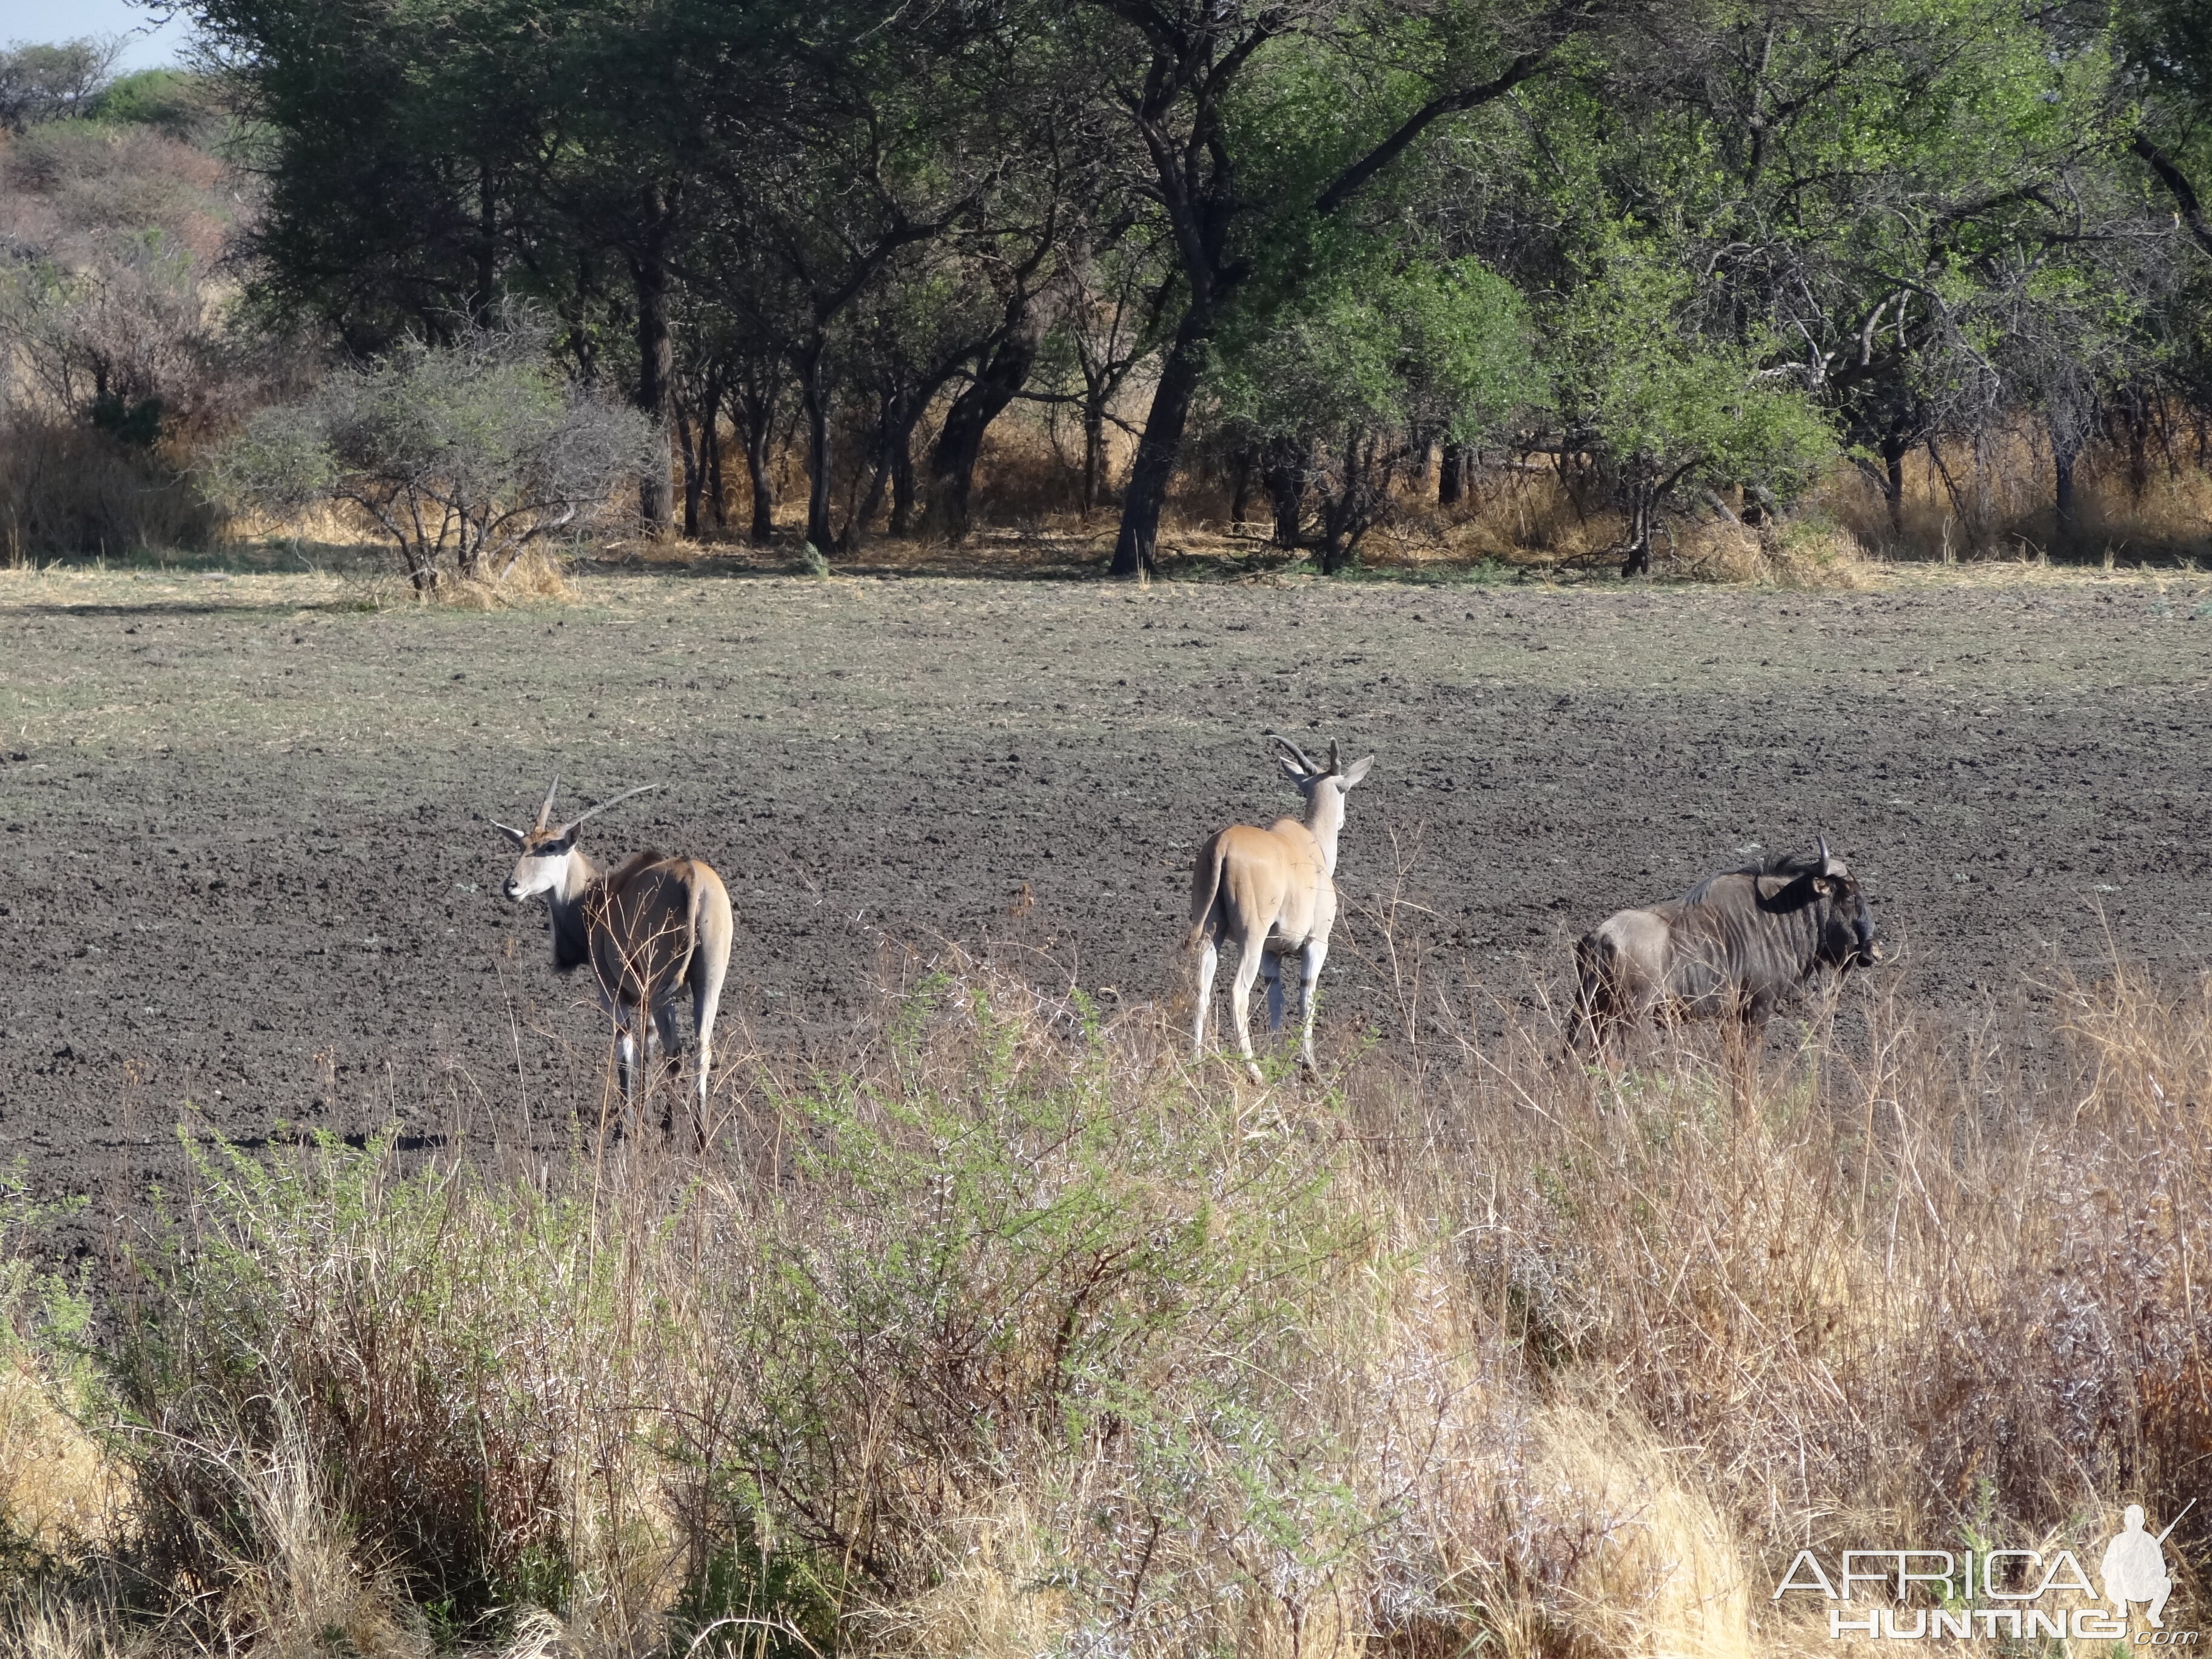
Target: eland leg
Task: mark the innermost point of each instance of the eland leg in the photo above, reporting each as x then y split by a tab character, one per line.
626	1064
1314	954
1271	970
706	1003
670	1043
1240	998
669	1033
1209	957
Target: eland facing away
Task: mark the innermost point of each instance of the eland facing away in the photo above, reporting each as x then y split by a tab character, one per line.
1272	891
649	929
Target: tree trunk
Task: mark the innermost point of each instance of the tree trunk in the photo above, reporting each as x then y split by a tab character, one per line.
1451	475
655	358
487	247
815	393
902	491
895	421
1335	520
753	410
2063	496
1893	446
1285	480
714	446
694	470
952	459
762	529
1638	550
1240	499
1134	549
1094	448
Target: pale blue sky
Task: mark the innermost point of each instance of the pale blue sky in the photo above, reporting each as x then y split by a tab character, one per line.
65	20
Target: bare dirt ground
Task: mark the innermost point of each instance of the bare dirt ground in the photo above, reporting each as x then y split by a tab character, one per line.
247	876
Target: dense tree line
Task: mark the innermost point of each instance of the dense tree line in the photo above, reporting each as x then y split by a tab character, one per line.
1688	255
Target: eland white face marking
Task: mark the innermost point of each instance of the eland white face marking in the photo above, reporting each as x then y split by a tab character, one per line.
651	929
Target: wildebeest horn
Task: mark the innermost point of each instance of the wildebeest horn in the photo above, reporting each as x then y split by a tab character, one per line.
1297	753
1828	860
611	801
546	811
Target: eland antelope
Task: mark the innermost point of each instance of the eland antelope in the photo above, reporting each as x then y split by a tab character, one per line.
653	927
1272	890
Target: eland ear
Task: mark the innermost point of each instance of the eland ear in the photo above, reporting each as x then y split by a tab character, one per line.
1295	773
1357	771
512	834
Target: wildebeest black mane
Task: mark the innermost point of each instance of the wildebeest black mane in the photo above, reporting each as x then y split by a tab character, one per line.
1778	864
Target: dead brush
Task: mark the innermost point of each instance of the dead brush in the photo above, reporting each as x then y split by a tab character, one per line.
1985	500
58	1625
537	579
68	490
62	1492
1009	1330
1839	1295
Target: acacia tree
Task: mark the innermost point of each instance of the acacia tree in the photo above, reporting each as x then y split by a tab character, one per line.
1356	377
830	143
42	82
1663	410
397	146
1262	124
1836	224
1106	309
465	453
422	163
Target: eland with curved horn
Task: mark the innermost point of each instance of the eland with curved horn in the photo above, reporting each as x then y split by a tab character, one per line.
1274	892
650	929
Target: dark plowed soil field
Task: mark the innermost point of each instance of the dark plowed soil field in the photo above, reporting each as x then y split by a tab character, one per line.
246	861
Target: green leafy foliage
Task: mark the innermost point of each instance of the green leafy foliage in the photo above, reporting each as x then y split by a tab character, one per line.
1668	410
176	102
1940	225
1342	383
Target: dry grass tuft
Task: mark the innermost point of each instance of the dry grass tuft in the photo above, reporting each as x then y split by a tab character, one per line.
60	1489
537	579
1665	1571
54	1626
68	489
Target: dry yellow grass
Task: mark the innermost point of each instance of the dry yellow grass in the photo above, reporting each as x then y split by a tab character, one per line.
1022	1335
60	1491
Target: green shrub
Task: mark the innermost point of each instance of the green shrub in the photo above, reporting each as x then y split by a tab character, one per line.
465	454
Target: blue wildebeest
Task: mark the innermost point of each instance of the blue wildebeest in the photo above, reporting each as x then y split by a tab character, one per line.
1728	949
